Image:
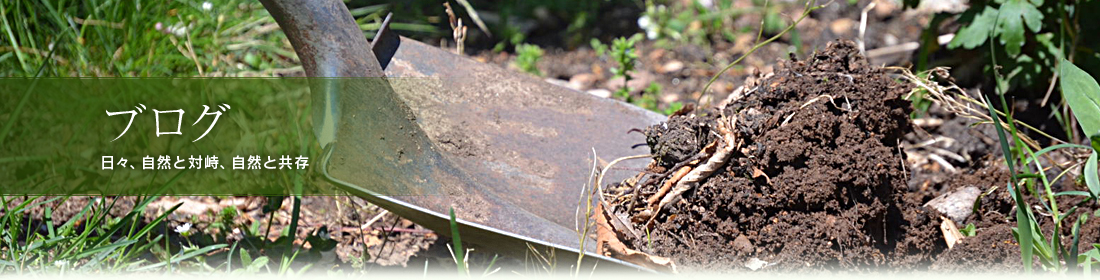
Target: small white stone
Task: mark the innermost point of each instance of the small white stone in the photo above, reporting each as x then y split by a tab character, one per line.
756	264
600	92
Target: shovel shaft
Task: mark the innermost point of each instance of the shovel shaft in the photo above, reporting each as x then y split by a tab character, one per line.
325	37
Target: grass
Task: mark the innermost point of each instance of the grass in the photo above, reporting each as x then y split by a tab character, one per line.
1034	184
91	241
100	38
460	256
104	38
1050	252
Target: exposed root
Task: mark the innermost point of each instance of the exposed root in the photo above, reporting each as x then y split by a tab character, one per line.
599	179
811	101
668	186
720	157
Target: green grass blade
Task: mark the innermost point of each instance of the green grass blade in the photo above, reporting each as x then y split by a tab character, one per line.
184	256
457	239
1078	193
229	258
1023	220
363	11
152	225
1055	147
108	247
490	266
1071	259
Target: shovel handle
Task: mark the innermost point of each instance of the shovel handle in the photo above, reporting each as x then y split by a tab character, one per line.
329	45
325	37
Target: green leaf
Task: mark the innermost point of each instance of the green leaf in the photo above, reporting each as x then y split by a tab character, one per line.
977	32
1088	260
969	230
1046	40
246	258
1095	140
257	264
1013	16
1083	96
1091	178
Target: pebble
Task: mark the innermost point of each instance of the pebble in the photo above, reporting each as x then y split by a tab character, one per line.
639	81
756	264
558	82
582	81
884	8
671	66
600	92
742	244
842	26
957	204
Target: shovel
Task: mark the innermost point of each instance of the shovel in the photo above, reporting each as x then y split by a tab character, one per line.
429	131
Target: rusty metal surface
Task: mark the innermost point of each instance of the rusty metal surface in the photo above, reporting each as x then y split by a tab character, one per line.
329	44
528	142
509	152
525	145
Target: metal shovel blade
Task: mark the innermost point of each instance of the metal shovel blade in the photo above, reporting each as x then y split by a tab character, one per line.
525	145
509	153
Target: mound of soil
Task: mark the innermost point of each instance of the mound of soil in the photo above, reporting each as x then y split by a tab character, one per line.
816	180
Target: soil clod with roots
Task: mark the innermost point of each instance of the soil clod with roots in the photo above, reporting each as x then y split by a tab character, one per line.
815	177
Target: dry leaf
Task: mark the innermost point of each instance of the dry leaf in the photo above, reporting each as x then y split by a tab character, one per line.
608	244
756	173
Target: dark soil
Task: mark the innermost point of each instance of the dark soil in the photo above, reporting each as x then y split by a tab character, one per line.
816	182
821	180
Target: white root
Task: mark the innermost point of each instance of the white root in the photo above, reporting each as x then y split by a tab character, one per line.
811	101
599	178
943	163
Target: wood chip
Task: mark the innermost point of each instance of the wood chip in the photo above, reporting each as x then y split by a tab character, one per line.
951	233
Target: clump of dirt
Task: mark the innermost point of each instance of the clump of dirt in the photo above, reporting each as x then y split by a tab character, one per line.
815	180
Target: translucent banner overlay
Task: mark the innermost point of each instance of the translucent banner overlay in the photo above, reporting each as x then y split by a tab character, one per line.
186	136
